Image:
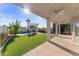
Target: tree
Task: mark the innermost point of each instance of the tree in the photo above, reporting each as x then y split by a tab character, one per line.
14	27
33	28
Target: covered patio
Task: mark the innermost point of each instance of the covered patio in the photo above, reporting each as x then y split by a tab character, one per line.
63	15
63	39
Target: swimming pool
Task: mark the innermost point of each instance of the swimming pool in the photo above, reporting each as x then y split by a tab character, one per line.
27	33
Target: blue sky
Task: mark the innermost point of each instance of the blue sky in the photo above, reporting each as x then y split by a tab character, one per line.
10	13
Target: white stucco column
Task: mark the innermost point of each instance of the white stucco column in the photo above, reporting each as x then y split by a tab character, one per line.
59	29
56	29
48	29
73	31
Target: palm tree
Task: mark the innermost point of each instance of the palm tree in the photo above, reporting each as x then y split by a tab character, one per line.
14	27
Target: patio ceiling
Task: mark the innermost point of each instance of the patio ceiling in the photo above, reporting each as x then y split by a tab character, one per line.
58	12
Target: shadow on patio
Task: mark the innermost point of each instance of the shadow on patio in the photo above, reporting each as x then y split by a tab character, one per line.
64	48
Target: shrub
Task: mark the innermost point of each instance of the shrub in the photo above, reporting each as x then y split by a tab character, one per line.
3	37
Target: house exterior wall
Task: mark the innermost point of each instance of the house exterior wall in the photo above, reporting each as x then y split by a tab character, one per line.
73	31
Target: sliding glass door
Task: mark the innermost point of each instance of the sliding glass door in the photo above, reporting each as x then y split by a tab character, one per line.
77	29
65	29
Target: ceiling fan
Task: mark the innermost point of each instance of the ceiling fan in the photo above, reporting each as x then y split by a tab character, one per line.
60	12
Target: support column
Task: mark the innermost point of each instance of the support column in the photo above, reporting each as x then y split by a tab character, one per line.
48	29
73	31
59	29
56	29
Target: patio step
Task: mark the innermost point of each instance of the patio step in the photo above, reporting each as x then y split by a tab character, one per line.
66	43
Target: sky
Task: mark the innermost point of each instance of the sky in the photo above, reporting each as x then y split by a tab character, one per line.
11	12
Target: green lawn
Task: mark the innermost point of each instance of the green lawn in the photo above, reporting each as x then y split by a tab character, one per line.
23	44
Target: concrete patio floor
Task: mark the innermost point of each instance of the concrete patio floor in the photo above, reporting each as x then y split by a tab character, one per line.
58	46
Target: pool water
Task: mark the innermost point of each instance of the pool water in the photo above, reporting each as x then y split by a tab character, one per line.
27	33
